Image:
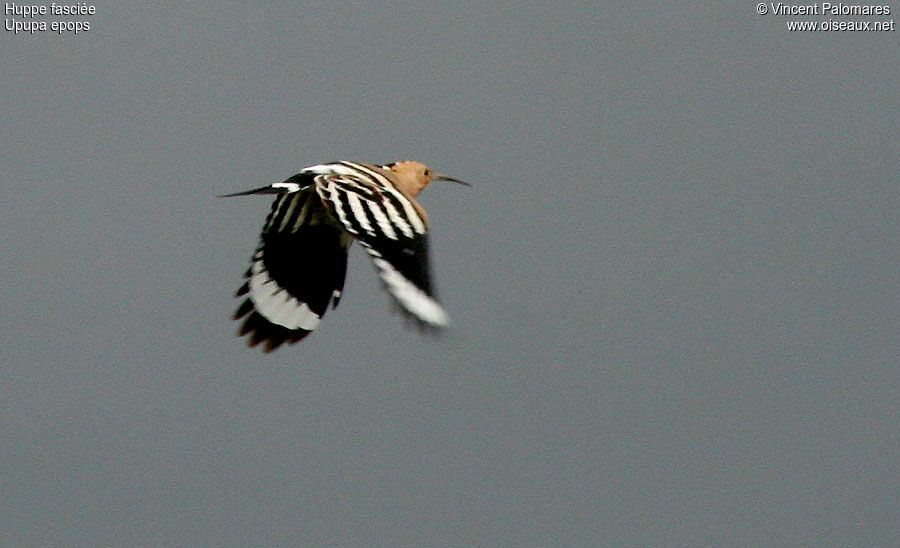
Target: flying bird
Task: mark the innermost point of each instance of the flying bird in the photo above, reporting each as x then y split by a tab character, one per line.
298	269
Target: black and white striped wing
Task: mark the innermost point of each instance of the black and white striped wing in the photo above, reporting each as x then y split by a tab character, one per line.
390	229
295	273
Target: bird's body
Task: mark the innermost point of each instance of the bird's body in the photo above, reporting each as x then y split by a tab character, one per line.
298	269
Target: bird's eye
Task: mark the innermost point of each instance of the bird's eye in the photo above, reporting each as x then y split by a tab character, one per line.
427	172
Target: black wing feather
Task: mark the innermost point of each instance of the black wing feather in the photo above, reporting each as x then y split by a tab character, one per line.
305	255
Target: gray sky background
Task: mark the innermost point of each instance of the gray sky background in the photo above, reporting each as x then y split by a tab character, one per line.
674	282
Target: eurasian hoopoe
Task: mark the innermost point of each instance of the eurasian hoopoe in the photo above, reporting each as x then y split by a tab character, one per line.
298	268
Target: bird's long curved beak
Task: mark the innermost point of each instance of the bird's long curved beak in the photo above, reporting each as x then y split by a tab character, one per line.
442	177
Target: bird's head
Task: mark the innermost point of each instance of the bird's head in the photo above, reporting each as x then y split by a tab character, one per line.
414	176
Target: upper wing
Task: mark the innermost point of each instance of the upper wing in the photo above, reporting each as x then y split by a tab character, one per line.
390	228
295	273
